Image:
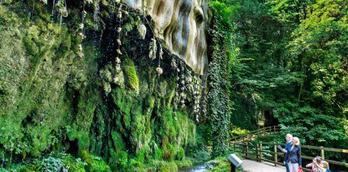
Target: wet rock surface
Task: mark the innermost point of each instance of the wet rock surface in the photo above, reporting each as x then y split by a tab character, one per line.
181	24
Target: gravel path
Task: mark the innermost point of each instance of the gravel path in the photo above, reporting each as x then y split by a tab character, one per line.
252	166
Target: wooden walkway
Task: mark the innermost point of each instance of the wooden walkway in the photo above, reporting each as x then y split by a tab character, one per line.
253	166
268	152
247	147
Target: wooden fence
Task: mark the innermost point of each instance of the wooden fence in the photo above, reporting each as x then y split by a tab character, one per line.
268	152
256	133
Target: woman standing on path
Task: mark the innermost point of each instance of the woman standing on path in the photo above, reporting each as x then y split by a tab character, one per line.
294	156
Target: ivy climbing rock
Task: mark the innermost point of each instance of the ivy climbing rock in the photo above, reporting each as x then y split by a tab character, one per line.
220	107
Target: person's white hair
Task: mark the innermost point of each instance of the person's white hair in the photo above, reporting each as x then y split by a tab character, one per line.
289	137
296	141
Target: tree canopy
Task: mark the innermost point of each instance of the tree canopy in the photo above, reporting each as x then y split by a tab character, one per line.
288	58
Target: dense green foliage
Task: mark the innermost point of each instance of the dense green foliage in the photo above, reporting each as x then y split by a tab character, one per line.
63	109
71	99
288	60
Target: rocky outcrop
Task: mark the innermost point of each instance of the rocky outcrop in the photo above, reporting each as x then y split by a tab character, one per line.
181	24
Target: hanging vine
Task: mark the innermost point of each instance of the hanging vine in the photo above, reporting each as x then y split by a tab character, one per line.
219	107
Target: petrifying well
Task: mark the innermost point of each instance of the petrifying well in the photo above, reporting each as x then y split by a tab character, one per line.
181	24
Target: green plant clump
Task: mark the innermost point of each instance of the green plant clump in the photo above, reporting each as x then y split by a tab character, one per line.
131	75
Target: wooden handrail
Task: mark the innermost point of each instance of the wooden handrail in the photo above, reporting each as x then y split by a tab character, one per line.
274	154
337	150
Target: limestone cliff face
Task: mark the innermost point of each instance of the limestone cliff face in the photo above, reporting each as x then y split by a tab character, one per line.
86	85
181	24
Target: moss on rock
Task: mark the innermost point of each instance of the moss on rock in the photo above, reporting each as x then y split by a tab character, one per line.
56	101
131	75
94	163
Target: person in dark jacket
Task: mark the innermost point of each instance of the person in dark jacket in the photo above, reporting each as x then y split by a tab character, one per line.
294	156
286	148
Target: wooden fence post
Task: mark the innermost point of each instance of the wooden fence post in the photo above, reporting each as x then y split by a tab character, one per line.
234	147
260	151
275	155
257	152
246	150
322	152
